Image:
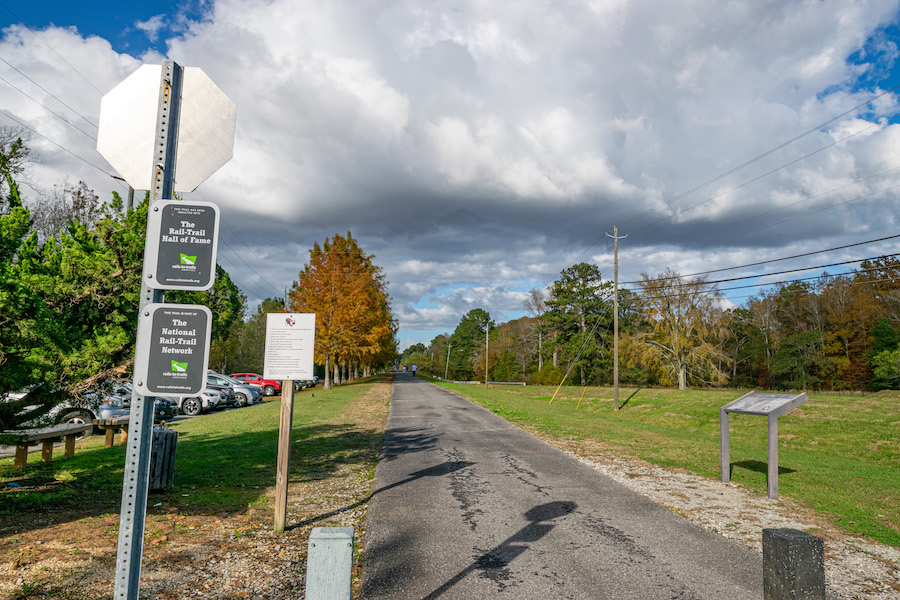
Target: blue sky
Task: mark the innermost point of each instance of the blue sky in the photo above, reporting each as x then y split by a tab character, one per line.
478	149
131	27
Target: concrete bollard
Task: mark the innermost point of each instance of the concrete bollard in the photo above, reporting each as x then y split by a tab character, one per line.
329	563
793	565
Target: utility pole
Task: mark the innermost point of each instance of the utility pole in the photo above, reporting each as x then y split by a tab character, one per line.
447	366
615	237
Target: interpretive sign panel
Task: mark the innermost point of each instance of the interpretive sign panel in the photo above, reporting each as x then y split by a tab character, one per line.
290	345
756	403
172	352
182	242
770	406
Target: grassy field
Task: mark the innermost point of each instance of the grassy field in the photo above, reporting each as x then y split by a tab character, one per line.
838	454
59	522
224	460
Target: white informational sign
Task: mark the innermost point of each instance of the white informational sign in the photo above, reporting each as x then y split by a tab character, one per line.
290	342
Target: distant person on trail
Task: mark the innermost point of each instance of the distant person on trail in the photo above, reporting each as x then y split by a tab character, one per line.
414	370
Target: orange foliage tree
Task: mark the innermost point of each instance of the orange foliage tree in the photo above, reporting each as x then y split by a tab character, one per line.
348	293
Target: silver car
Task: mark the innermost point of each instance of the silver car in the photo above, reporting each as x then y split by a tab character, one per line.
78	411
242	394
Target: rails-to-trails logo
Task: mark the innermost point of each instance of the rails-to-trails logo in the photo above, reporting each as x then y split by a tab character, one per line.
179	367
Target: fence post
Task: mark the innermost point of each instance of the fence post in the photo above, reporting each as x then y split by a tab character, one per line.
793	565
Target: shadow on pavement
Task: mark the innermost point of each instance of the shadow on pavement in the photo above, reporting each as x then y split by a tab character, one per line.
406	440
492	562
435	471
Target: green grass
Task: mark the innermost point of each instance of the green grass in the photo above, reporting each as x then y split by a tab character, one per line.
838	454
224	461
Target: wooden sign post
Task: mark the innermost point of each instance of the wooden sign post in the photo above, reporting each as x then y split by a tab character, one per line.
290	341
283	464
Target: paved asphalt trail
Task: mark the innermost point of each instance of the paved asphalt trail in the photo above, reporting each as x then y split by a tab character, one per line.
470	506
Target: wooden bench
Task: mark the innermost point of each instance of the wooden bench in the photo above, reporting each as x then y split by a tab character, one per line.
110	427
48	436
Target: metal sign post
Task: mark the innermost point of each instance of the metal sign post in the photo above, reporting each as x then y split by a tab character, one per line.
192	122
133	512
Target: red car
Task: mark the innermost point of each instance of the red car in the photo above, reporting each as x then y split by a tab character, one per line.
270	387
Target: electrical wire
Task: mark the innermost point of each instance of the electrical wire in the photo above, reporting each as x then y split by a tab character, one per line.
714	290
47	108
61	147
51	94
773	260
764	154
52	49
681	212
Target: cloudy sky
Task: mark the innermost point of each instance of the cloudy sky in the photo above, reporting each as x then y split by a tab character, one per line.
479	148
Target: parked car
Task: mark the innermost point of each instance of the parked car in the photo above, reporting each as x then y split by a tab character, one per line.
270	387
244	393
205	401
77	410
237	393
163	408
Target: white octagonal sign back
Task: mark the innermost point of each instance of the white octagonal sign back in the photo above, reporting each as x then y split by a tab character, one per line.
127	130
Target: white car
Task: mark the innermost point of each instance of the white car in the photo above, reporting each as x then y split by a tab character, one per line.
206	401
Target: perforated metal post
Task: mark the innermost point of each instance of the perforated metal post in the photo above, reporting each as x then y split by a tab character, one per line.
133	511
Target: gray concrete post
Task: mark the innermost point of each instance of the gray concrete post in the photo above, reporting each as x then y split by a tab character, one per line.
793	565
329	563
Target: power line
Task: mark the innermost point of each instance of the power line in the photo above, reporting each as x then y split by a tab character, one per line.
765	154
808	198
60	146
824	208
713	290
52	95
52	49
747	163
47	108
765	262
764	175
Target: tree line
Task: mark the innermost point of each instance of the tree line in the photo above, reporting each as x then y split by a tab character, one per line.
70	269
69	299
834	333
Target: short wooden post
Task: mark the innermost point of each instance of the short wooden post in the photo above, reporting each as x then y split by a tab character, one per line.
21	455
283	464
70	446
109	436
724	451
47	451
